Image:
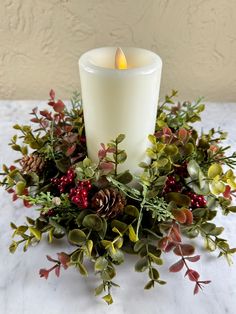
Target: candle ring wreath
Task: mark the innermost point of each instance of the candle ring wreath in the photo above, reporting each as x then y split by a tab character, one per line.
94	206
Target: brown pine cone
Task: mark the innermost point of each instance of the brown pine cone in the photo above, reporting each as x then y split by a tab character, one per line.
32	163
108	203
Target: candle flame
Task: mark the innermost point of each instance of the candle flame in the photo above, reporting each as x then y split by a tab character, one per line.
120	60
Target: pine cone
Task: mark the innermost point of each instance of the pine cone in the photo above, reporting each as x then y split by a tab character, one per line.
32	163
108	203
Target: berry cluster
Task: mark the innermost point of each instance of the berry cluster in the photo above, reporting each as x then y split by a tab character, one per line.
79	194
64	181
197	201
172	185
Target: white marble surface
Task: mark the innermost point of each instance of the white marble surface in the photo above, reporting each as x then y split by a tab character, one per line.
23	292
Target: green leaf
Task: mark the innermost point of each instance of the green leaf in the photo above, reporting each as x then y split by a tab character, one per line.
30	220
149	285
36	233
161	162
178	198
217	231
142	264
209	244
157	260
232	209
124	177
119	242
121	157
132	235
63	164
99	289
117	256
100	263
138	246
121	226
120	138
189	148
208	227
13	226
82	269
93	222
76	236
89	172
106	243
103	231
89	247
21	230
193	169
153	273
108	299
87	162
152	139
20	187
171	150
81	216
215	170
131	211
13	247
217	187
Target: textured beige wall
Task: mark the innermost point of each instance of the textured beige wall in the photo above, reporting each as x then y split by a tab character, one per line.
41	41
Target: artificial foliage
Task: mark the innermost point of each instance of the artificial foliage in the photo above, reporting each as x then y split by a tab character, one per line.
102	214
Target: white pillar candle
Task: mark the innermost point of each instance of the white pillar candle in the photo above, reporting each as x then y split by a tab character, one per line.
119	101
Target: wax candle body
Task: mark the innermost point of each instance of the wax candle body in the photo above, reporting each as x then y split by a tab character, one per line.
120	101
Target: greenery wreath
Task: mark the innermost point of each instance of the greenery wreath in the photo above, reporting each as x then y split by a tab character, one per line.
178	194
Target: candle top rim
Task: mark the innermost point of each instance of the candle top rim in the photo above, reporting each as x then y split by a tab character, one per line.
153	62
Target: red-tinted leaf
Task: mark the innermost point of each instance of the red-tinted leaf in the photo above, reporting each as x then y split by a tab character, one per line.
50	259
27	204
52	94
35	110
167	131
182	134
111	150
184	250
177	266
57	270
14	197
175	233
193	275
189	216
59	106
102	153
10	191
64	259
68	128
163	243
35	120
193	259
205	282
70	150
169	247
227	191
51	103
44	123
196	289
12	168
179	215
45	113
44	273
108	166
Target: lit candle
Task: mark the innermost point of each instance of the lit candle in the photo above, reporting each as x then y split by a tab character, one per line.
120	93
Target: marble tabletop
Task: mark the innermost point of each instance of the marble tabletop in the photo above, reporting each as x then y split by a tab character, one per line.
23	292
